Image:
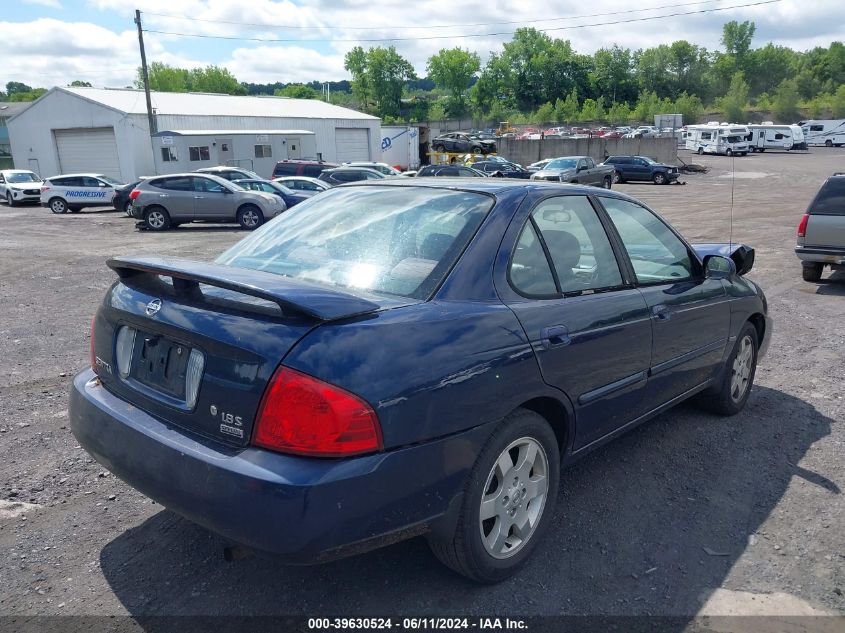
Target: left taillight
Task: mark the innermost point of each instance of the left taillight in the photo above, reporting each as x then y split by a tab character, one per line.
303	415
134	194
124	344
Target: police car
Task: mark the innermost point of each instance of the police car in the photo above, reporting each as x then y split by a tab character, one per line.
19	185
72	192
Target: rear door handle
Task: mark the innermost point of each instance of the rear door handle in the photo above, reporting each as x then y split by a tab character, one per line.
198	197
163	195
555	336
661	312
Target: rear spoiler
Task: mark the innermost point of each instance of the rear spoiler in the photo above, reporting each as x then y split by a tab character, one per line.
318	302
741	254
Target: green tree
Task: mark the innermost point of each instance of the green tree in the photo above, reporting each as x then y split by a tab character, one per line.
452	69
216	80
545	114
30	95
689	106
785	102
647	106
79	84
736	37
654	70
735	102
618	113
567	109
14	87
164	78
297	91
592	110
837	103
355	62
379	76
611	73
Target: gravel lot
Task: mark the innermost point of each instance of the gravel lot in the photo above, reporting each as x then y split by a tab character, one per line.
688	514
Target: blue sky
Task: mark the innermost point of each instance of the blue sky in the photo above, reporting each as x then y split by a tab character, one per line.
53	42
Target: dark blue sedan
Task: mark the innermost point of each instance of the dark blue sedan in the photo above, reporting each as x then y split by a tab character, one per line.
290	197
401	358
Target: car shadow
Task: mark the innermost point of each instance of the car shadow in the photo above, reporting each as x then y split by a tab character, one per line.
833	285
649	524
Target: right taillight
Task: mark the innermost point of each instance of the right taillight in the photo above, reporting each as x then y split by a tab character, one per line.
802	225
134	194
303	415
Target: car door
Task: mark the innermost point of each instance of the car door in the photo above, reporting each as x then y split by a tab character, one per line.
212	201
639	169
690	314
588	325
176	195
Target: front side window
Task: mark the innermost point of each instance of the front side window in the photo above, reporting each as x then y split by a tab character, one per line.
88	181
400	241
168	154
706	136
657	254
198	153
263	151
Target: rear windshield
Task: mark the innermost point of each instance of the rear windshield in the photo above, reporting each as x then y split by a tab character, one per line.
395	240
831	198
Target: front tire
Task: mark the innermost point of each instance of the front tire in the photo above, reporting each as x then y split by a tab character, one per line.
10	200
58	206
811	271
700	151
660	178
157	219
617	178
607	183
508	501
729	396
250	217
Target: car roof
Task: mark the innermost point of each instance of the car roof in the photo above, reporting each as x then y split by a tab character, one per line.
17	171
492	186
220	168
351	168
90	174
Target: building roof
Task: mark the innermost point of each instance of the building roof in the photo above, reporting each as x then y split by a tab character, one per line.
232	132
11	108
204	104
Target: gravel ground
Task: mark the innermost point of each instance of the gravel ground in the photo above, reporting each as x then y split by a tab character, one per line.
688	514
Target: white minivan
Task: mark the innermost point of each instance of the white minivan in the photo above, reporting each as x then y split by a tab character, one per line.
72	192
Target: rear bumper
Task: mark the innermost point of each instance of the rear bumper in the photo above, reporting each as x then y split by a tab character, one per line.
821	254
304	509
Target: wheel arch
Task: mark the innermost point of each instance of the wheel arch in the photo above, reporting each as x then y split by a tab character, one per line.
557	414
759	323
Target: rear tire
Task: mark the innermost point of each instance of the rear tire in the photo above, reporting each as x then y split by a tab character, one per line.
127	208
250	217
828	143
729	396
660	178
811	271
514	485
700	151
729	152
58	206
157	219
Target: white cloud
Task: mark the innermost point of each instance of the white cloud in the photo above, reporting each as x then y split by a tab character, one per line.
264	64
51	4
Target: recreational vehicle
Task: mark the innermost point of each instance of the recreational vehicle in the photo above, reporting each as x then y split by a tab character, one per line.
771	136
828	132
713	138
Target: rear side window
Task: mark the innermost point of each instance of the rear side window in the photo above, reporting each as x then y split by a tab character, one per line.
312	171
830	199
529	270
181	183
817	128
72	181
283	169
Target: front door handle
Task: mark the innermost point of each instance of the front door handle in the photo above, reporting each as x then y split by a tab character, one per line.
661	312
198	197
555	336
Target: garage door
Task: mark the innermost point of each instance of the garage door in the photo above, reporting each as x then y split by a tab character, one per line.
352	144
90	150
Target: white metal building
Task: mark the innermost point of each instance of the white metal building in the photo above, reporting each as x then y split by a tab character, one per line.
71	130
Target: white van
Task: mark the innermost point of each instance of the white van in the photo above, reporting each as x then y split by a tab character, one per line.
771	136
717	138
827	132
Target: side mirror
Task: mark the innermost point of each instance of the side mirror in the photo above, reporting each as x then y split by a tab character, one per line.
718	267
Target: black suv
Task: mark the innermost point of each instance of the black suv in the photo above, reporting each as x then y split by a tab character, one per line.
297	167
450	171
641	168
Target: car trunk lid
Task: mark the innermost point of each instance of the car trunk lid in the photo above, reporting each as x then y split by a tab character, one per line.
218	332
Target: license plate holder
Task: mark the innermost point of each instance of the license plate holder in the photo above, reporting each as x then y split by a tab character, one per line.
160	364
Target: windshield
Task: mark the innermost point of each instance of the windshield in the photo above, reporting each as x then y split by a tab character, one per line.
110	181
22	177
280	187
734	139
395	240
562	163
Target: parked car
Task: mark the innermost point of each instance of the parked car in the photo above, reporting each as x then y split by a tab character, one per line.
19	185
382	388
298	167
290	197
540	164
384	168
821	233
121	200
74	192
303	184
168	201
502	169
229	173
450	171
470	159
462	142
613	134
646	131
341	175
577	170
641	168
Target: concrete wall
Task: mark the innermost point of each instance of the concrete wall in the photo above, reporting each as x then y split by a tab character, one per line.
525	152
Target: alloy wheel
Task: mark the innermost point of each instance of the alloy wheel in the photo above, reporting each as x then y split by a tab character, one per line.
741	369
514	497
250	218
155	219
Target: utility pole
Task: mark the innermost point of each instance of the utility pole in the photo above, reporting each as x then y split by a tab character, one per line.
145	75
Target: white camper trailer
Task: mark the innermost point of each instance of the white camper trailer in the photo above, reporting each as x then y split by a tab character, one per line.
771	136
717	138
827	132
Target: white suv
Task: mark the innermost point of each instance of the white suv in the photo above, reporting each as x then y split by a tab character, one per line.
19	185
72	192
